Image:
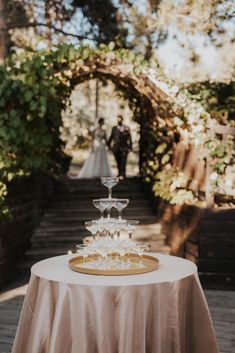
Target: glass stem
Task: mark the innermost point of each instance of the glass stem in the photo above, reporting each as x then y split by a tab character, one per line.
110	193
120	214
102	214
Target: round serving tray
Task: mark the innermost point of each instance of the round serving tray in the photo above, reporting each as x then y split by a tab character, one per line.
150	264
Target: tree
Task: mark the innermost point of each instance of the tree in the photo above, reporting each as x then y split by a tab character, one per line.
55	22
105	18
3	31
192	30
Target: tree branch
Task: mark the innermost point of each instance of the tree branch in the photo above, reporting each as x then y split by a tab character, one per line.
56	29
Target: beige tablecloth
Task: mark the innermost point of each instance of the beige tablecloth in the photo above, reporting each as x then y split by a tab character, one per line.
164	311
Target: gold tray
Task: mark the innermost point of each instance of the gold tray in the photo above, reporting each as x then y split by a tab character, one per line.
150	264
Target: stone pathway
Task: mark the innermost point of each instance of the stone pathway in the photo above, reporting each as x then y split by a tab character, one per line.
221	304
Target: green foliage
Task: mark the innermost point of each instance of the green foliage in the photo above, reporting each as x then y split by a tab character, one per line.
34	88
222	155
217	98
171	185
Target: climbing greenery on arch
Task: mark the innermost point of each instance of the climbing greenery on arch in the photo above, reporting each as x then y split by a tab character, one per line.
34	88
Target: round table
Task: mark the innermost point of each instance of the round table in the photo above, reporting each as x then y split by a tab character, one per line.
163	311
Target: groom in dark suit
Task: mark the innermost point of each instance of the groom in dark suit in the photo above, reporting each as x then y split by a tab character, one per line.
120	143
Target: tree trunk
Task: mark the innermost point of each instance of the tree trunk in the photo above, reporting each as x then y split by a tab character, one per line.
96	100
48	21
3	31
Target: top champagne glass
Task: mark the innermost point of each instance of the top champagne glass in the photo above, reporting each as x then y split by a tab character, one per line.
109	182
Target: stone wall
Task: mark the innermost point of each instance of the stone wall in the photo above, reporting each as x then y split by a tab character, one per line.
27	198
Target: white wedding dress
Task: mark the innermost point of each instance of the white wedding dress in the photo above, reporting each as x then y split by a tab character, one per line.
97	164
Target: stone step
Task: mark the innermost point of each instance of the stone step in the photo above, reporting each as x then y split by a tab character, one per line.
71	230
92	186
97	181
138	196
25	267
67	206
43	253
56	223
141	233
57	230
90	212
64	244
52	241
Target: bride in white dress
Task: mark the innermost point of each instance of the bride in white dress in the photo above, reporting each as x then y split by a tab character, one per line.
97	164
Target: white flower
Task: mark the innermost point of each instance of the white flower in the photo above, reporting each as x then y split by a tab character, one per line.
214	176
111	55
229	182
18	64
191	119
198	128
197	142
174	89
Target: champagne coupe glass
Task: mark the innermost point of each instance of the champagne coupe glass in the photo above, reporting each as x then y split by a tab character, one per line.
104	251
120	205
92	227
119	225
121	250
140	248
110	228
98	204
81	250
129	245
93	249
109	182
108	203
101	226
130	227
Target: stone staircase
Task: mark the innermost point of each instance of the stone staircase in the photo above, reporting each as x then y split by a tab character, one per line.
62	226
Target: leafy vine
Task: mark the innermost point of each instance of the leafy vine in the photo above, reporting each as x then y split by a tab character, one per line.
34	88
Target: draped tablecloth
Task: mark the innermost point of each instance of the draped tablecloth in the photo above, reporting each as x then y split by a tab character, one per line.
163	311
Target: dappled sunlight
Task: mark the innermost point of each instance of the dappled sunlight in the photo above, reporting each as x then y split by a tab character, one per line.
12	293
117	150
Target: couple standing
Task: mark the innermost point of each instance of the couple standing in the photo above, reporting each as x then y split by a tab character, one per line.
97	164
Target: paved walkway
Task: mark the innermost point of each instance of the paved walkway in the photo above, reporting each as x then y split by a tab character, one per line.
221	304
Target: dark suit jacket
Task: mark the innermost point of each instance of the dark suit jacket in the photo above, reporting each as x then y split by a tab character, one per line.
120	139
